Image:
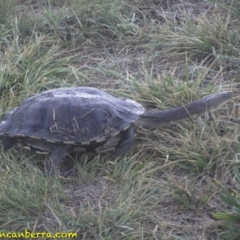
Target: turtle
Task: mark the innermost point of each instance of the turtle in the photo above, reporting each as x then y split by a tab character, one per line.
63	120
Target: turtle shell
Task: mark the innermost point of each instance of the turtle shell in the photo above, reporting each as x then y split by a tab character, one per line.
78	116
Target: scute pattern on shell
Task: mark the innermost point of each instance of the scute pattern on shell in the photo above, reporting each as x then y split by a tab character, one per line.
82	114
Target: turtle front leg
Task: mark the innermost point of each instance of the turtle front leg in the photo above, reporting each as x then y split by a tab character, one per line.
120	143
55	160
126	142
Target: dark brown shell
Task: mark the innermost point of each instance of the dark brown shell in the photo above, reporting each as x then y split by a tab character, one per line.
71	115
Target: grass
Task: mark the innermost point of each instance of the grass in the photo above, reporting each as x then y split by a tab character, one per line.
160	53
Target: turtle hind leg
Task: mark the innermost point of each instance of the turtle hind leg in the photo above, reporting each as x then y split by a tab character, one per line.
8	142
56	159
126	142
